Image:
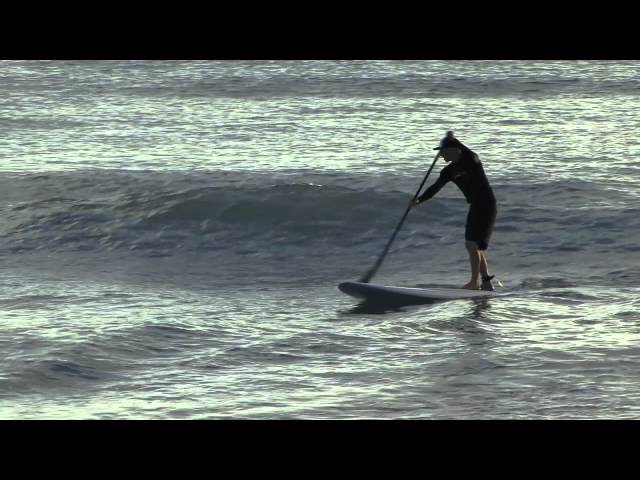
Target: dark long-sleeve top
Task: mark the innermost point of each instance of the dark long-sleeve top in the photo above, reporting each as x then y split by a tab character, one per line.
467	173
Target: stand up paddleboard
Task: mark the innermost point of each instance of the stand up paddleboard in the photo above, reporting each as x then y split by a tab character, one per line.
380	293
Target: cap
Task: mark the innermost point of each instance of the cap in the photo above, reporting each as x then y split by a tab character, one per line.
449	141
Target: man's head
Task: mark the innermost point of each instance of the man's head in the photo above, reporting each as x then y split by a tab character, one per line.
450	148
451	154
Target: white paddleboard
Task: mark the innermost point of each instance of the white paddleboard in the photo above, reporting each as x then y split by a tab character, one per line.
380	293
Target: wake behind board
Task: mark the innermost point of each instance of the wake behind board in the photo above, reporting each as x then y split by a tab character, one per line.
380	293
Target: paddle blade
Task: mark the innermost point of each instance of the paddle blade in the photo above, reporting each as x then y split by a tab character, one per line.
368	276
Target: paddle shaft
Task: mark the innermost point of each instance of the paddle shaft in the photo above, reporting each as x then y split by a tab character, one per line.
369	275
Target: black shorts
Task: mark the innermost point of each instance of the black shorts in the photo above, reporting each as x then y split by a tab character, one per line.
480	221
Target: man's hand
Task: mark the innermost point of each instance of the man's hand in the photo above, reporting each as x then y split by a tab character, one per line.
414	203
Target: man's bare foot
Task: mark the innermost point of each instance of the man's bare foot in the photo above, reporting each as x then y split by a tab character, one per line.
472	286
487	284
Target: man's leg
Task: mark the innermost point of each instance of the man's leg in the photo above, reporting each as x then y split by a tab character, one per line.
474	259
484	268
484	272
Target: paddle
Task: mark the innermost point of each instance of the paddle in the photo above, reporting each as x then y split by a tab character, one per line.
369	275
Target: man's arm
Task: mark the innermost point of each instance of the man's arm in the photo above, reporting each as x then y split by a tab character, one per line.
435	188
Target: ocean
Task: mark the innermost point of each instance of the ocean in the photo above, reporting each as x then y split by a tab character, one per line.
172	234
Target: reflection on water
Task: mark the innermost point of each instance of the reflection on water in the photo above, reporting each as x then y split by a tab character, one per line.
382	307
185	355
479	306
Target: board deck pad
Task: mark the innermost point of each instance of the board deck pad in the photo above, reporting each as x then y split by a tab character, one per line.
382	293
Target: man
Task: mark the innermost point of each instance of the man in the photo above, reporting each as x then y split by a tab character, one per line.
465	170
